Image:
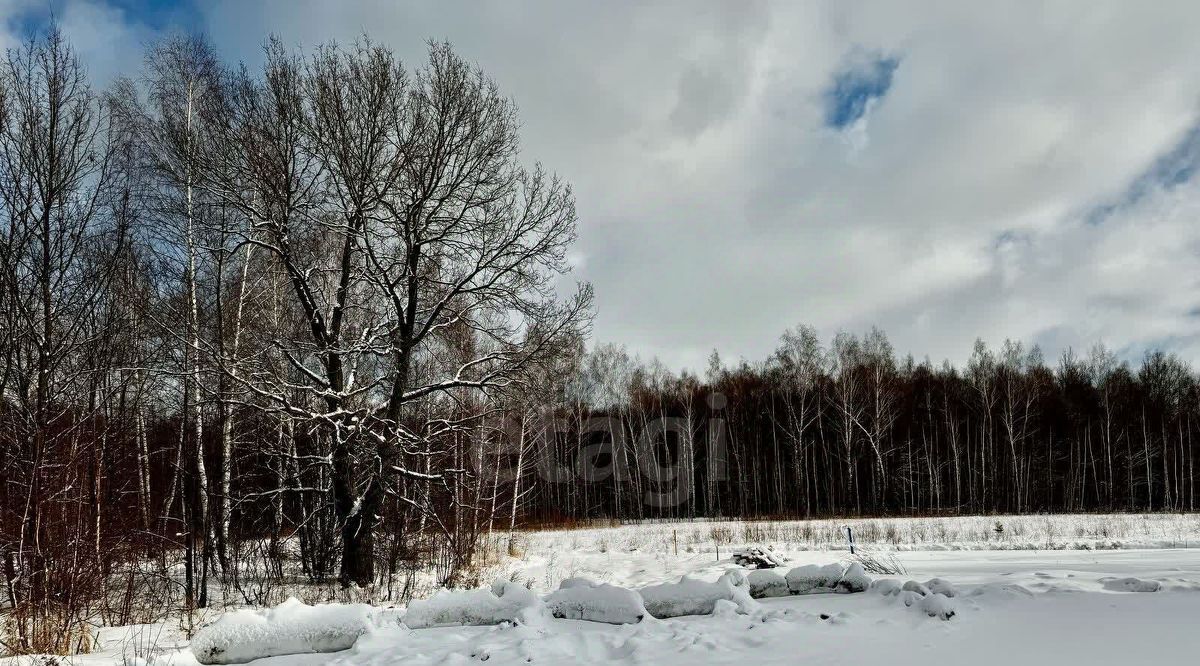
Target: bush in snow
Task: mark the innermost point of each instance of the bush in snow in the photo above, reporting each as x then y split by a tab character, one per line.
884	565
581	599
290	628
758	557
767	583
694	597
505	601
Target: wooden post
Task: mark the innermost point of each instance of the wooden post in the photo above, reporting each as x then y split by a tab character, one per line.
850	538
675	538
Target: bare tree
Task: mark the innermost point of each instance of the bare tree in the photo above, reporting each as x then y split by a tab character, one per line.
802	361
399	213
62	235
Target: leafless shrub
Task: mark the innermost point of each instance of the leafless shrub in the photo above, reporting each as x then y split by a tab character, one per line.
880	565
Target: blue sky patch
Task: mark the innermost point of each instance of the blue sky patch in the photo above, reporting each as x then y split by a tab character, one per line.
156	14
1174	167
855	85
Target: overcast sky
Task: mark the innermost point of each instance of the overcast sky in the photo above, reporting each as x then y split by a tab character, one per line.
945	171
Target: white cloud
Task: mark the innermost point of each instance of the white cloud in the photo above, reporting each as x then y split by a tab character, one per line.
108	40
717	208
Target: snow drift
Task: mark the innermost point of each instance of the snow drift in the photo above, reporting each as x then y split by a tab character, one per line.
1130	585
290	628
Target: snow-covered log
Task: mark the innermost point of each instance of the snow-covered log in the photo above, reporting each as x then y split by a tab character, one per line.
289	628
766	583
812	579
504	601
581	599
695	597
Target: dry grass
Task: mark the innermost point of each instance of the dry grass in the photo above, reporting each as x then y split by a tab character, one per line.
1023	532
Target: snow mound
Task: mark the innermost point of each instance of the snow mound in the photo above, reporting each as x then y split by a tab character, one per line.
581	599
914	586
736	578
695	597
887	587
1001	591
725	608
937	605
941	586
758	557
505	601
292	627
854	579
766	583
1130	585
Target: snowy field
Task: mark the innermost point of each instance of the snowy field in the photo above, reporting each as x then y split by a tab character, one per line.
644	554
1032	590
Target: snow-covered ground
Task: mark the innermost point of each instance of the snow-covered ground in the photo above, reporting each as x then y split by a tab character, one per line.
1070	604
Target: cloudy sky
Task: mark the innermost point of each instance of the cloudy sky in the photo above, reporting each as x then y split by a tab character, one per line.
946	171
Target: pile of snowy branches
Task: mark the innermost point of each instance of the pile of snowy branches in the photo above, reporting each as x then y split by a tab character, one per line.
758	557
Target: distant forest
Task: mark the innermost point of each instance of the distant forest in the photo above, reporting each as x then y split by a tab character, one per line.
849	429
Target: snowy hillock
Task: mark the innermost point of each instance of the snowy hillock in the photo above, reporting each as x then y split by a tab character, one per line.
289	628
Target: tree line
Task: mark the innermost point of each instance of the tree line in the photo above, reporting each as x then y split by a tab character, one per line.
850	429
